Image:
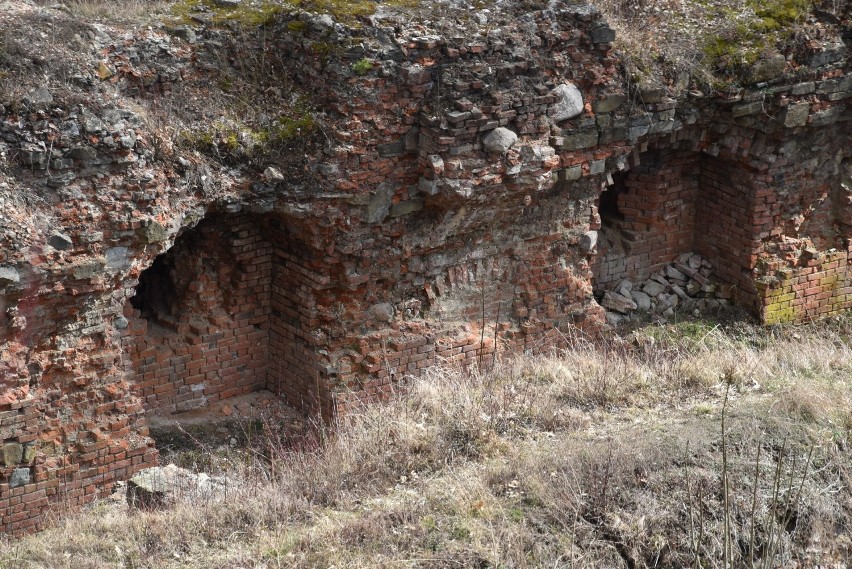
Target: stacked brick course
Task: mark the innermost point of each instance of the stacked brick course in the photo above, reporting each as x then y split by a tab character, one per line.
653	220
203	336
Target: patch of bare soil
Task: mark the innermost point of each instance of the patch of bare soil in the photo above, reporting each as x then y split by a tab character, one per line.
236	429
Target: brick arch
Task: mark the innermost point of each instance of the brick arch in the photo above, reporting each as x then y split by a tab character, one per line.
225	311
674	201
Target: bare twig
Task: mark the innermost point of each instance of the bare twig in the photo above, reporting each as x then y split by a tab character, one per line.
767	559
754	507
725	488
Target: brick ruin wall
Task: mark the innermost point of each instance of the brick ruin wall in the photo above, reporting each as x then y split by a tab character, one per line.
415	237
198	321
775	232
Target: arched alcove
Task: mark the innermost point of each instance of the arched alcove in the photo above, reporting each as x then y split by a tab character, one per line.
674	202
225	311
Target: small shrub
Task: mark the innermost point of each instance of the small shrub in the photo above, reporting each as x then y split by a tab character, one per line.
362	66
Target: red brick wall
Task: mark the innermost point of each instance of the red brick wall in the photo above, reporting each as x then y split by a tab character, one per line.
822	286
674	202
655	219
293	368
725	231
208	339
70	450
398	218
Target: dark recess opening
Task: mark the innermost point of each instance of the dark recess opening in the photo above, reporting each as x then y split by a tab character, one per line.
610	248
608	205
155	289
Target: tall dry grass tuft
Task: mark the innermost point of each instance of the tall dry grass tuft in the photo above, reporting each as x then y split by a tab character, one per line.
601	455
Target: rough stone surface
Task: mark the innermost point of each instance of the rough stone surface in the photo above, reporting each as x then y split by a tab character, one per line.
499	140
273	175
383	312
618	302
9	275
13	453
685	283
797	115
380	203
609	103
589	241
160	486
41	96
652	288
642	300
60	242
20	477
569	102
768	67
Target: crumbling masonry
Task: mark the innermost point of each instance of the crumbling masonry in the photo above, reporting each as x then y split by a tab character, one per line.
458	183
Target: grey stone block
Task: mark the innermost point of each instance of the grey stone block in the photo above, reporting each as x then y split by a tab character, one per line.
637	131
569	102
803	88
9	275
13	453
29	452
499	140
588	241
613	134
580	140
571	173
155	233
603	34
116	257
597	167
427	186
60	241
20	477
380	203
609	103
744	109
82	153
796	115
406	207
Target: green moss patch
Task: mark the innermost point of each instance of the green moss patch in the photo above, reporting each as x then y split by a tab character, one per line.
232	139
251	14
350	11
362	66
758	31
256	13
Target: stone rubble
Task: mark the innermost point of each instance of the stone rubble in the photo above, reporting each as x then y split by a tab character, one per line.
684	284
160	486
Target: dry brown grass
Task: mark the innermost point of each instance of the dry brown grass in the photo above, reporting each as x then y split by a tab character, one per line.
599	456
123	11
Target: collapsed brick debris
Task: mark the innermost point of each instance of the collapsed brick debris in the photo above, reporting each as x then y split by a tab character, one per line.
685	284
465	188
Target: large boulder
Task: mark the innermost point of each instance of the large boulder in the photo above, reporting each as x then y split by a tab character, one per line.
163	485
